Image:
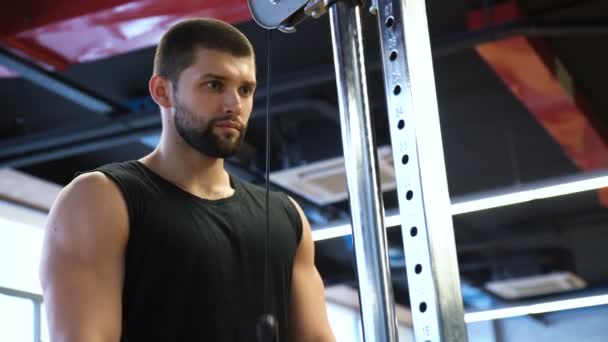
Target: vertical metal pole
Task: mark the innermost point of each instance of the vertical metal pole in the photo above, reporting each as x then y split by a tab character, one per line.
37	321
367	214
424	203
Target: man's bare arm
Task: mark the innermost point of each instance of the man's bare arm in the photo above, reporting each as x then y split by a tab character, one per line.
82	265
308	322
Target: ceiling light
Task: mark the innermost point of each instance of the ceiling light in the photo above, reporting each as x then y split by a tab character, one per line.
524	310
493	199
534	191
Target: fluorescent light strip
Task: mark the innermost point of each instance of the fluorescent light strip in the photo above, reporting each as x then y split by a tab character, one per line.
494	199
534	191
334	231
331	232
524	310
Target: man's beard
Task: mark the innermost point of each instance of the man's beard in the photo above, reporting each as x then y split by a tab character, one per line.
200	136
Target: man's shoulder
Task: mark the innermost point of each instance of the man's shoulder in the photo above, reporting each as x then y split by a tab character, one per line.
127	165
123	170
104	169
87	193
91	183
105	179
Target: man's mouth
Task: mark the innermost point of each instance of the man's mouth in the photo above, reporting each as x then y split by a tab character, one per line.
229	125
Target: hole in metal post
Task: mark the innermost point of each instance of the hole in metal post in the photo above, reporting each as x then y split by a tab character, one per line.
393	56
401	124
422	307
414	231
418	269
409	195
390	21
405	159
397	90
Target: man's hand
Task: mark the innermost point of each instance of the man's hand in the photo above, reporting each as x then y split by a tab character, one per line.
308	320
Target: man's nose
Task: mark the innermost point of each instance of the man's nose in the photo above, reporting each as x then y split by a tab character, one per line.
232	102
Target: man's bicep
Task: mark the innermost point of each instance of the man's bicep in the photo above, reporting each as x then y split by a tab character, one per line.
82	264
309	320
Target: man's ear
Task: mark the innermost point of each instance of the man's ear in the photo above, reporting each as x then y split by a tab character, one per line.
160	90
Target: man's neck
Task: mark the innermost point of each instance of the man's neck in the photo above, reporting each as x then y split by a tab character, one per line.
189	169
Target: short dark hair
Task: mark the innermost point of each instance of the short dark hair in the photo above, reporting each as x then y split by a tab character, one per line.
178	45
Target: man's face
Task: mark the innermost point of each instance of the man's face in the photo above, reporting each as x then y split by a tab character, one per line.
213	99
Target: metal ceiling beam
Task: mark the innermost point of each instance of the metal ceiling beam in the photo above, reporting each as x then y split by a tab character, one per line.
43	147
57	84
71	135
70	141
305	78
325	108
445	46
442	47
64	151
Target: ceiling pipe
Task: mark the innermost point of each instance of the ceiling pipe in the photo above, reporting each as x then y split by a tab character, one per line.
445	46
58	85
13	149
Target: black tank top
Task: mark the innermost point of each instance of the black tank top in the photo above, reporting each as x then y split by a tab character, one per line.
195	267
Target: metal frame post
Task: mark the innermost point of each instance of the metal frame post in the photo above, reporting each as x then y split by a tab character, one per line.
367	213
424	202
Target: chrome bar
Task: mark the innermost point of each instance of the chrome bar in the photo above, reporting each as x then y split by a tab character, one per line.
369	235
424	202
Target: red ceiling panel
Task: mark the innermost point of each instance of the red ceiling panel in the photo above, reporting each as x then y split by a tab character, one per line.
59	33
541	82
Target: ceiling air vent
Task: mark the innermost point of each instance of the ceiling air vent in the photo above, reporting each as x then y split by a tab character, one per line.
324	182
538	285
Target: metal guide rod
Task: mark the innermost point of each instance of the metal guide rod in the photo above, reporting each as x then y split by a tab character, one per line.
369	235
424	203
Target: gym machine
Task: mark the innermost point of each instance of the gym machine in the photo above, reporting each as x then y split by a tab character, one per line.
424	203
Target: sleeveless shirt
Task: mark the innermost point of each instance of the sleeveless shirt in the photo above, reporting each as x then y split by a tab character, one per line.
194	268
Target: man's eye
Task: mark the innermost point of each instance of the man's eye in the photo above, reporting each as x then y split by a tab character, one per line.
214	85
246	91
